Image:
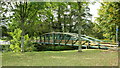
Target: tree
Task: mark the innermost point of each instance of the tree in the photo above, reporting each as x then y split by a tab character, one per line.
79	27
4	31
25	16
109	18
73	16
3	19
35	18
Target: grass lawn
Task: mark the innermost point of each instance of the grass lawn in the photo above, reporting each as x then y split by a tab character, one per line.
90	57
0	59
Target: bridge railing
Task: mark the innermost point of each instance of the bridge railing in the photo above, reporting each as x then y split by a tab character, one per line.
59	38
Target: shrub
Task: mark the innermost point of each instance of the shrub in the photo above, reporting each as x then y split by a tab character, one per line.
28	46
16	41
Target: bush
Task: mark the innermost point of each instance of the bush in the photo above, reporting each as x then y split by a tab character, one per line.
16	41
27	44
5	48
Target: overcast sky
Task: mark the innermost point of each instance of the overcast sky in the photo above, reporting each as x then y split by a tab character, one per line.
93	10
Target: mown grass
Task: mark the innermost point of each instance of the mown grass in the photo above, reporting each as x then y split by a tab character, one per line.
89	57
0	58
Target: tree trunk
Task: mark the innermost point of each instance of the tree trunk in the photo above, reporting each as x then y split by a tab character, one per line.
65	29
79	28
22	42
0	31
118	36
79	36
0	37
22	18
59	18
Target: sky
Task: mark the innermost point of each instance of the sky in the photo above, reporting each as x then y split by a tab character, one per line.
94	11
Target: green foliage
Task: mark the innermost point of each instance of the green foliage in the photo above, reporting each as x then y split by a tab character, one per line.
5	48
15	42
3	18
36	18
28	46
109	18
48	17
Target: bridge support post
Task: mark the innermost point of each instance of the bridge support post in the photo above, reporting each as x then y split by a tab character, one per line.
49	39
53	36
88	45
99	46
44	39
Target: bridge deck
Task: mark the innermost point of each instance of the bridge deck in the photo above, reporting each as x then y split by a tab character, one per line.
70	39
96	47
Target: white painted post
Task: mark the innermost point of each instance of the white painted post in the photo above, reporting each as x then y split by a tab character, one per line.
116	34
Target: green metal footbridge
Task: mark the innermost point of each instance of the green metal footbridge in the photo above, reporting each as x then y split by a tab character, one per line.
69	39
